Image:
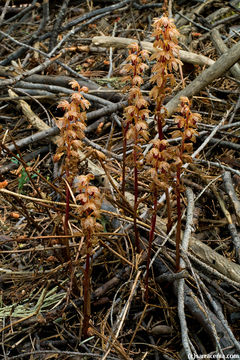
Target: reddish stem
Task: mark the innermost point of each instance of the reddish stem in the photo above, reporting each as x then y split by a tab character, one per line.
151	235
137	242
169	211
159	124
179	218
67	208
87	290
125	129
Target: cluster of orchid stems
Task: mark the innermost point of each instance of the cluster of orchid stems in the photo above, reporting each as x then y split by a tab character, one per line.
165	161
136	113
72	126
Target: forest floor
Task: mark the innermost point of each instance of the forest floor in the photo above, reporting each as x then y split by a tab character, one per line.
191	313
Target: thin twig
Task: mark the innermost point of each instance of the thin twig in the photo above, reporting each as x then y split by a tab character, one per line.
181	282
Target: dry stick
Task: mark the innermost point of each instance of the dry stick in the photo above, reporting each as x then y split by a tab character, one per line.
227	144
181	282
36	69
203	315
231	225
34	120
44	17
26	158
42	66
40	104
34	93
60	89
60	81
99	12
224	294
111	54
31	139
231	192
225	62
215	263
57	24
214	325
71	354
108	153
220	316
103	11
170	14
51	132
213	132
119	42
19	52
218	165
236	240
21	13
236	107
124	312
193	22
222	48
4	11
106	110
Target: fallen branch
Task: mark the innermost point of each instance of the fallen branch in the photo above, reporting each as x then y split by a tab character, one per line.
219	68
120	42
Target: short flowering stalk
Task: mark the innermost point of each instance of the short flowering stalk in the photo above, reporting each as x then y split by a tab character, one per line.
89	201
167	59
72	126
136	113
186	123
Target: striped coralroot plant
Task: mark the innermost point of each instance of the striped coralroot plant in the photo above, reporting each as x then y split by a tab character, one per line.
72	126
135	125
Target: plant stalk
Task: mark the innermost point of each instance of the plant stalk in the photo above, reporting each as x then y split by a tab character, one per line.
151	235
87	288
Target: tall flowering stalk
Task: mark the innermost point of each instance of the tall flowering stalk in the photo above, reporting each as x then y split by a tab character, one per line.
186	123
166	57
72	126
136	113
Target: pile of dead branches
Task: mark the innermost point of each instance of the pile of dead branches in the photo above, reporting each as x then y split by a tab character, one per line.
195	312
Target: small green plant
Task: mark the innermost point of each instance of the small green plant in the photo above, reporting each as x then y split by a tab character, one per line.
23	177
